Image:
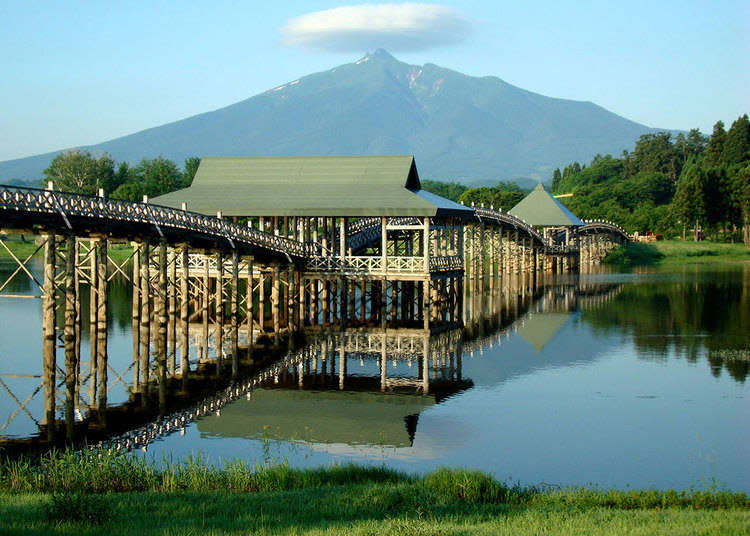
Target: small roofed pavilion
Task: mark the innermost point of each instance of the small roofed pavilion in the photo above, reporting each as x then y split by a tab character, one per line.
370	206
543	211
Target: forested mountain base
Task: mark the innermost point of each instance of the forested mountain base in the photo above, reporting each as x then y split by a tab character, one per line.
693	184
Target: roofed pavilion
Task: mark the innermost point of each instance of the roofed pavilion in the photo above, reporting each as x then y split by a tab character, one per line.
364	210
542	210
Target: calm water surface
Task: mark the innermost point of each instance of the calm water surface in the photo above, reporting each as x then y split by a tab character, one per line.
617	380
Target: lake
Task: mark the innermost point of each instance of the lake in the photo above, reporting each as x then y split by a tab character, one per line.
619	380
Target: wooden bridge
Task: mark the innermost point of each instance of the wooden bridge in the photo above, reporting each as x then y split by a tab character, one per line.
266	271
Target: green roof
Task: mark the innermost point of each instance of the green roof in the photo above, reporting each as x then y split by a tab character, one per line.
305	186
540	209
354	418
539	329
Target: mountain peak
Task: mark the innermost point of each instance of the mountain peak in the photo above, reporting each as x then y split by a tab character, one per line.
379	54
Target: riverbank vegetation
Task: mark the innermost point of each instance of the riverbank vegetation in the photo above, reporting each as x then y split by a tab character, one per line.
676	252
124	494
689	184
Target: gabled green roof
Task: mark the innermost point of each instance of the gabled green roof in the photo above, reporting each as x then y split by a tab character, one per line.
305	186
539	329
540	209
353	418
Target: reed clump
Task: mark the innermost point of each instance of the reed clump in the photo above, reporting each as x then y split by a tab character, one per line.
96	472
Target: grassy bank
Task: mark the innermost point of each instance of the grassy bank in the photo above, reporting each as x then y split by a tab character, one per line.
27	246
124	495
677	252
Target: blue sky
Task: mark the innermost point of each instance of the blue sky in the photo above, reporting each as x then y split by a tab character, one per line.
78	73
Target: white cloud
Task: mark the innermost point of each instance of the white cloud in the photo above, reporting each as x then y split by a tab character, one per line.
396	27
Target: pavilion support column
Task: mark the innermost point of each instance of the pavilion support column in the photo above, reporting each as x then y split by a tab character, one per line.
363	300
219	311
383	295
101	328
49	335
426	304
234	311
185	316
334	297
324	301
315	297
69	334
482	254
343	283
300	309
136	314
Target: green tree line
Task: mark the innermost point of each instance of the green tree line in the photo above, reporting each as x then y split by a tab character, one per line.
504	196
80	172
665	185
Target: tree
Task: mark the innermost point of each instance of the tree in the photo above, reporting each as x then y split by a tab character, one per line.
715	144
556	178
158	175
688	204
736	149
449	190
655	152
191	167
78	172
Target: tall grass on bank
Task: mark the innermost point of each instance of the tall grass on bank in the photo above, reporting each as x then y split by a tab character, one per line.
100	472
675	251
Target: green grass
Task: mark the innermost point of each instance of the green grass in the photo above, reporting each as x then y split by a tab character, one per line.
668	252
23	249
366	509
120	494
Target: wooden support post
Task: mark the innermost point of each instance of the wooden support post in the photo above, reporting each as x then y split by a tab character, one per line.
69	334
206	305
172	328
234	312
185	316
324	301
261	301
426	309
291	294
160	312
145	294
275	303
249	307
101	328
219	311
136	315
49	335
93	306
342	365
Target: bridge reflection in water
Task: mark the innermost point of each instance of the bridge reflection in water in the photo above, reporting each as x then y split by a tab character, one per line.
361	385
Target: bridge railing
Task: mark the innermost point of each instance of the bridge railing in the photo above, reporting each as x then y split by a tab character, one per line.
604	224
31	200
508	219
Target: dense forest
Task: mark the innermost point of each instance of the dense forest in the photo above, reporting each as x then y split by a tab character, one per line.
692	183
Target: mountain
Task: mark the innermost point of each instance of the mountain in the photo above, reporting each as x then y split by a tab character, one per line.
462	128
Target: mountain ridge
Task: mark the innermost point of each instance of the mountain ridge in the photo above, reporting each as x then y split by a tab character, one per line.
459	127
